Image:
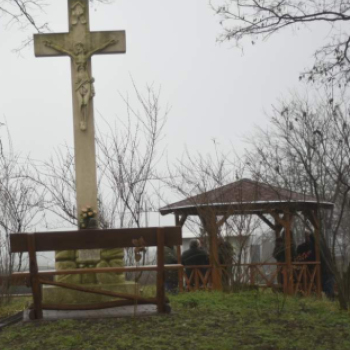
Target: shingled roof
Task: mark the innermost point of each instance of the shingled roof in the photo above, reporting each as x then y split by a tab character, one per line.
245	195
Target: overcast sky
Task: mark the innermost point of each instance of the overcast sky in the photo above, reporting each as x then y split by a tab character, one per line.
214	90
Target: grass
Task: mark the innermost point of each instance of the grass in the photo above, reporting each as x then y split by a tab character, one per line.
8	308
200	321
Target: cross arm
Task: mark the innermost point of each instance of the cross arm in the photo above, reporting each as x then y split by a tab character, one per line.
62	44
60	41
107	42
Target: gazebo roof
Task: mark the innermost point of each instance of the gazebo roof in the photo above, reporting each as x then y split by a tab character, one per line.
246	196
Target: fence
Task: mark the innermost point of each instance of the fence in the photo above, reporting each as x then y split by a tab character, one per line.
300	279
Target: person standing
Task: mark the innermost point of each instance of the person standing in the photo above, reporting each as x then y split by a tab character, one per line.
194	256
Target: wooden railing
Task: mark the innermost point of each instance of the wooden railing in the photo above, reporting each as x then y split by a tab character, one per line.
305	275
300	279
197	277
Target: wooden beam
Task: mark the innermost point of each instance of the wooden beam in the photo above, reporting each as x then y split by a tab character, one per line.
160	271
183	220
180	271
23	275
94	239
209	222
34	278
267	221
317	234
96	306
278	219
288	251
286	222
223	220
80	288
311	215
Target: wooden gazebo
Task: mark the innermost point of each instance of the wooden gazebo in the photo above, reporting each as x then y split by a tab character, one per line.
275	206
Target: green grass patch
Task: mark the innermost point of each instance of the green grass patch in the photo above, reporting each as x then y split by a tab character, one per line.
9	307
199	321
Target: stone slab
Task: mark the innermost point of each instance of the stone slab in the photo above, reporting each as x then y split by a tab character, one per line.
88	256
121	311
58	295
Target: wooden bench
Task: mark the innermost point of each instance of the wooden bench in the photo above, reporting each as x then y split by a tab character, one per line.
94	239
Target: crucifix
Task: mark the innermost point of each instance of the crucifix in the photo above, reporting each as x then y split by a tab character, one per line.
80	44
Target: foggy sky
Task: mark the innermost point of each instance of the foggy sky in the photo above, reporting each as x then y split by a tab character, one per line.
214	90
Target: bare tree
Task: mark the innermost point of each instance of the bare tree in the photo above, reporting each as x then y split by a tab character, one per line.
256	20
306	149
57	177
20	203
128	154
22	13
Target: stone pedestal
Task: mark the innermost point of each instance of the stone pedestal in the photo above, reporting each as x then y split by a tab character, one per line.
114	282
94	258
57	295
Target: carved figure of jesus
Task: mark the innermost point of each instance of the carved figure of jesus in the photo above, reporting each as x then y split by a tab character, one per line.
84	83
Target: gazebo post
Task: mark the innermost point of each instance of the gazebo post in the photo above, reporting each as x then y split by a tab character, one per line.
313	218
208	219
281	269
285	222
288	245
214	262
318	258
180	222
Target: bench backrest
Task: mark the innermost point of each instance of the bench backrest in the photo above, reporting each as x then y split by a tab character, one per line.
94	239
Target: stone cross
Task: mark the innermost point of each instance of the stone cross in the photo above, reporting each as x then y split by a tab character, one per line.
80	44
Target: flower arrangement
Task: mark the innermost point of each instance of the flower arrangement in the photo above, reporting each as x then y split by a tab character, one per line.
87	217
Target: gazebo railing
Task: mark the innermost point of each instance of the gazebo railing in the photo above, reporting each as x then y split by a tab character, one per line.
197	277
305	277
301	279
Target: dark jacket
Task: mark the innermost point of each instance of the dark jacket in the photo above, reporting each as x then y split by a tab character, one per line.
195	256
279	253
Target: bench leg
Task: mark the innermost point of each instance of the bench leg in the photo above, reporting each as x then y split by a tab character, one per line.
34	278
161	306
